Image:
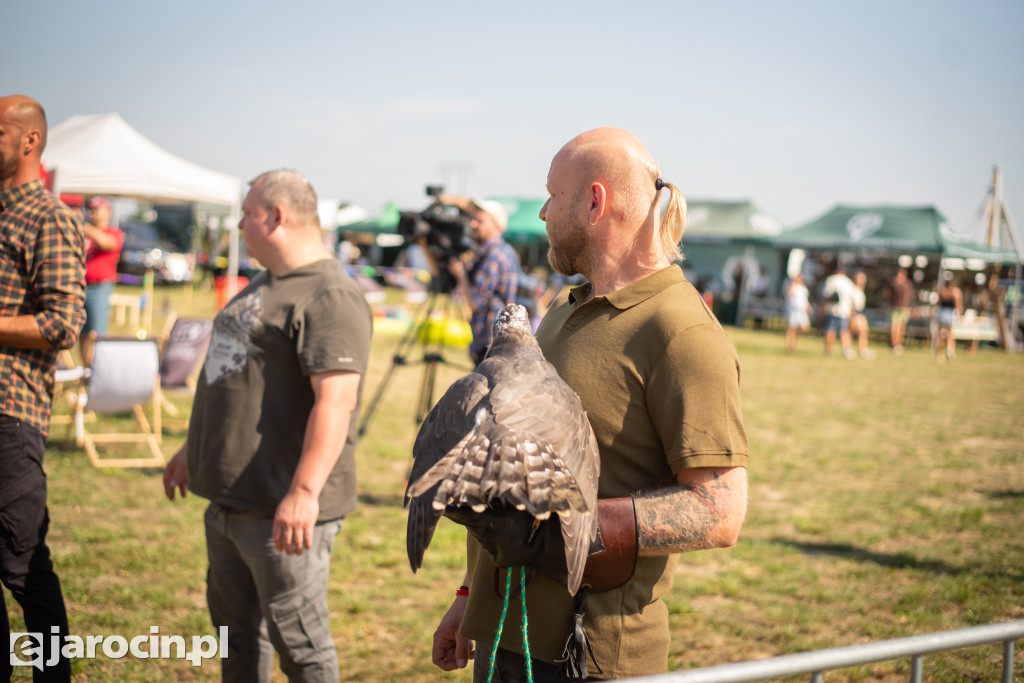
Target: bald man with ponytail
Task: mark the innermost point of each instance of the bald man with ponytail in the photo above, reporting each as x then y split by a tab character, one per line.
659	379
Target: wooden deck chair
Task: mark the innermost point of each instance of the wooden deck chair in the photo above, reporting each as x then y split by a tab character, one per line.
184	349
124	376
66	384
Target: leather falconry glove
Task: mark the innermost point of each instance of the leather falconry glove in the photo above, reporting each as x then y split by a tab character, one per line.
514	539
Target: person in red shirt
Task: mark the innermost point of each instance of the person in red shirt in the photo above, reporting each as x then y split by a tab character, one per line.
103	244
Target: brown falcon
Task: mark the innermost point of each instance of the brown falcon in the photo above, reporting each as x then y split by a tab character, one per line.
510	434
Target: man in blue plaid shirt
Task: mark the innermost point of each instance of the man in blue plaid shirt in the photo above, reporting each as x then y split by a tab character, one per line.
493	275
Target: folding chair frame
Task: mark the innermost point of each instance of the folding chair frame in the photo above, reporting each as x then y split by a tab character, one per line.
150	434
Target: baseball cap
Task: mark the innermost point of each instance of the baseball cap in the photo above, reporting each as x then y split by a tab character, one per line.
97	202
497	211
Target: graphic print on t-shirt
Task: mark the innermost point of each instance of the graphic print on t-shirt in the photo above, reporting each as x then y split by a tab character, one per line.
231	344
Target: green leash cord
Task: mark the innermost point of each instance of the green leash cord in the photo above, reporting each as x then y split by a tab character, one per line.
526	641
501	624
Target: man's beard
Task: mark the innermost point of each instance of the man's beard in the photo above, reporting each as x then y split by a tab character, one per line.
569	253
8	167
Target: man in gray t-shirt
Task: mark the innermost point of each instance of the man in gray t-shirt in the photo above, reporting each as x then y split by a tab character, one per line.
272	436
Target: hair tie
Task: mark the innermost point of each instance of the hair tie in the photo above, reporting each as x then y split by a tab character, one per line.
658	184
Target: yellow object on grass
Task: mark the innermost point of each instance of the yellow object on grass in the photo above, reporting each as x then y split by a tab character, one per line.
449	331
388	325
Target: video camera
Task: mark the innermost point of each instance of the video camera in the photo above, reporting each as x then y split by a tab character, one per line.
442	230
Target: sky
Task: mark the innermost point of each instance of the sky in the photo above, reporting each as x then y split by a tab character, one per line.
794	105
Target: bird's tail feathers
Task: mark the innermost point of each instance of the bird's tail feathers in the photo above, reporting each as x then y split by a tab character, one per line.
522	472
449	466
419	532
550	484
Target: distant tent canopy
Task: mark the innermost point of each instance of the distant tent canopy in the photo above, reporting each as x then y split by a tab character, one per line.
890	229
524	223
523	219
727	245
385	222
526	231
334	214
721	222
101	154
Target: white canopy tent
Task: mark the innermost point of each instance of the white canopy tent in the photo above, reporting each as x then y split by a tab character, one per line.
100	154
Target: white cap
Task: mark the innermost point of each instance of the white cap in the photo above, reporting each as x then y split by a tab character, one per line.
497	211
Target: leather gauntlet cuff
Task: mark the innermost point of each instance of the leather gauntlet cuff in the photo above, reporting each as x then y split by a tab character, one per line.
617	530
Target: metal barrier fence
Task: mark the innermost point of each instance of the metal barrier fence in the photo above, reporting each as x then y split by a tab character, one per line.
817	662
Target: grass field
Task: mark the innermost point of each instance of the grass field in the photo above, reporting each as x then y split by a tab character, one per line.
887	498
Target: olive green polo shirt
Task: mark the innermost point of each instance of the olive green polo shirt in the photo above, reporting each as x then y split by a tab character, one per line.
659	379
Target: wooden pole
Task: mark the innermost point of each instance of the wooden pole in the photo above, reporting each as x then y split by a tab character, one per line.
147	311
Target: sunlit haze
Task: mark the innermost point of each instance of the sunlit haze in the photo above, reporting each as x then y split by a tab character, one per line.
796	106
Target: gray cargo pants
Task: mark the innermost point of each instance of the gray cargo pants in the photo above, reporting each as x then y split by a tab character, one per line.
266	597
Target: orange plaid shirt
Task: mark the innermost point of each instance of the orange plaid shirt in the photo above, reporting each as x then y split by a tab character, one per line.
42	274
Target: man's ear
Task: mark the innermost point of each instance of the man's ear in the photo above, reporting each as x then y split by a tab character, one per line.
598	202
280	215
30	142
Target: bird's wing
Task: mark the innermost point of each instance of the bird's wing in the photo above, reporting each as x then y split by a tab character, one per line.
534	400
540	403
576	537
444	427
578	530
446	424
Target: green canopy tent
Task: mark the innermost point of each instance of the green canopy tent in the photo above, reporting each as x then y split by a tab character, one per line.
384	223
526	231
890	230
720	222
524	223
720	232
378	237
728	249
881	233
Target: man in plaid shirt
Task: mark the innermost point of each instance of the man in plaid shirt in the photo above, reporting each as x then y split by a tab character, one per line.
494	275
42	291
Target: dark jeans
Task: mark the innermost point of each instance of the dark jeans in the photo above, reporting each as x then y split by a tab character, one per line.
25	566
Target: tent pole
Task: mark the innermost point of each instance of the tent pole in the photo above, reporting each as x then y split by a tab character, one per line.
232	259
996	204
1015	305
999	219
998	216
1005	338
1012	232
232	248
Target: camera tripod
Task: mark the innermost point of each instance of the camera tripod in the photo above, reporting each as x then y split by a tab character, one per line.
432	358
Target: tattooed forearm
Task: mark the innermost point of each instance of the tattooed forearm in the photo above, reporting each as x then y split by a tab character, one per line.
682	518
